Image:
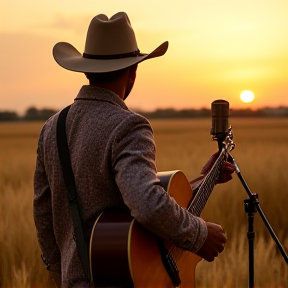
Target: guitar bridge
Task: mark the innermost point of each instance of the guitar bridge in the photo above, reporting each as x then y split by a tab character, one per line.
169	265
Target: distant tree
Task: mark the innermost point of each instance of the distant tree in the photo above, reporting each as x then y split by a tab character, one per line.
246	113
8	116
275	112
33	114
176	114
45	114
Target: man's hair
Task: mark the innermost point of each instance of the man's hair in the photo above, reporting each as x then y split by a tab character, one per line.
105	77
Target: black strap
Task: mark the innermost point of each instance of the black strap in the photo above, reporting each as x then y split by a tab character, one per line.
69	179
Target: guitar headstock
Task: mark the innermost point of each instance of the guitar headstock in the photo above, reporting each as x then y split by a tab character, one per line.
228	143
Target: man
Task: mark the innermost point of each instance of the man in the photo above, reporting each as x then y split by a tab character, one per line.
113	157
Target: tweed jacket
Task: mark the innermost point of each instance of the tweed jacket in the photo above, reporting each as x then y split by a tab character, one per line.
113	159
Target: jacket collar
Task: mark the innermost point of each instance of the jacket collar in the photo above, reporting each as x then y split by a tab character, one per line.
88	92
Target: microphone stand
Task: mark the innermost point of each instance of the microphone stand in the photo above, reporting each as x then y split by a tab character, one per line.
251	206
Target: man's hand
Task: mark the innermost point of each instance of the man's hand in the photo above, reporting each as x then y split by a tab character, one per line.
226	171
214	243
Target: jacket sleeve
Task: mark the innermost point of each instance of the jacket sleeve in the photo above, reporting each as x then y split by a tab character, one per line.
133	161
42	212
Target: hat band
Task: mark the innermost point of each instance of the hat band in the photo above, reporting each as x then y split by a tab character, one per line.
115	56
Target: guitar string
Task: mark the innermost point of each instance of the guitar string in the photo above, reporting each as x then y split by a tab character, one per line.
201	201
204	191
207	178
211	182
199	206
176	253
207	188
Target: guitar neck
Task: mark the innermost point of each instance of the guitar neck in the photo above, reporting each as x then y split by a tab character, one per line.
198	203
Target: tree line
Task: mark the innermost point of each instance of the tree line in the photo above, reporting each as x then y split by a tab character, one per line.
34	114
31	114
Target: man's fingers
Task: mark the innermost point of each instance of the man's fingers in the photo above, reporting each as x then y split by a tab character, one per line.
215	242
210	259
226	172
214	254
209	163
227	167
221	249
223	178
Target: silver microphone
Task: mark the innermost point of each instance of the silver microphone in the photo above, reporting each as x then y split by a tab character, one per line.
220	115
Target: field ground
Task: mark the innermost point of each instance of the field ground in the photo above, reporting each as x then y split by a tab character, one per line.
261	154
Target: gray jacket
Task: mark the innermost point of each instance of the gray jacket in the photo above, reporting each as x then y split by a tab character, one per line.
113	159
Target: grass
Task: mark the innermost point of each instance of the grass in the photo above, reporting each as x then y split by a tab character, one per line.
261	153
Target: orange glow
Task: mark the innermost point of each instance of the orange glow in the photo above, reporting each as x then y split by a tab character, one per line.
216	50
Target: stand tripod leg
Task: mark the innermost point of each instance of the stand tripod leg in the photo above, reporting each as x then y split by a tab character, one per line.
250	211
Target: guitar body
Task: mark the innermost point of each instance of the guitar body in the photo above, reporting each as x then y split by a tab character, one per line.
124	254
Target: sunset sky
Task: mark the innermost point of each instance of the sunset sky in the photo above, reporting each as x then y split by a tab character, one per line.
217	49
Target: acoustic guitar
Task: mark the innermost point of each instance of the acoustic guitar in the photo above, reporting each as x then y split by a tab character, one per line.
124	254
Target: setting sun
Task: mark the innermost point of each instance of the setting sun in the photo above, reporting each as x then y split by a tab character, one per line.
247	96
224	59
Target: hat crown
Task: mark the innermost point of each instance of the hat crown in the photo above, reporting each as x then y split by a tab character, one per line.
110	36
110	46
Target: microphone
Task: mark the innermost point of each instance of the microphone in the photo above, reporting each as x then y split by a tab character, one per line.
220	125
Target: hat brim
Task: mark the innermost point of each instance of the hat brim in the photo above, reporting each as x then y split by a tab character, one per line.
68	57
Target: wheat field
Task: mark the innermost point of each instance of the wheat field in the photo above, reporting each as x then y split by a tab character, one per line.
261	153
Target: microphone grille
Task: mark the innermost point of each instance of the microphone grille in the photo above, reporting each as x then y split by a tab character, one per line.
220	114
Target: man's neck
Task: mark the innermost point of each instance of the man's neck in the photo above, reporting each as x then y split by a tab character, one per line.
117	89
118	86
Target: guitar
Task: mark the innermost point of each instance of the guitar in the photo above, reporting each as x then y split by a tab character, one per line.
122	253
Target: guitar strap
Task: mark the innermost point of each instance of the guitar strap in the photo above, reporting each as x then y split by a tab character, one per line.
65	160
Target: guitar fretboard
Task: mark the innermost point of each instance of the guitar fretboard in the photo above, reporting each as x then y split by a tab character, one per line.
206	187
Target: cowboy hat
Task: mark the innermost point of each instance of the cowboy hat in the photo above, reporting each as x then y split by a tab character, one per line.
110	45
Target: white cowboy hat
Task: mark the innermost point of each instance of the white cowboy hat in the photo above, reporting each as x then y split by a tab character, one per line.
110	45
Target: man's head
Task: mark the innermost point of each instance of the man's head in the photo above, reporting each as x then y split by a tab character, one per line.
120	81
110	46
